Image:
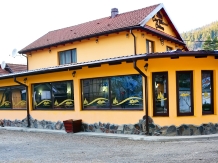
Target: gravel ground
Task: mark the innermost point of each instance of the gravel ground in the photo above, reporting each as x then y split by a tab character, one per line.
27	147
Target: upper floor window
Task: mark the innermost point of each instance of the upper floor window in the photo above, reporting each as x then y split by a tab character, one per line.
184	84
55	95
149	46
207	92
117	93
13	97
169	48
160	93
68	56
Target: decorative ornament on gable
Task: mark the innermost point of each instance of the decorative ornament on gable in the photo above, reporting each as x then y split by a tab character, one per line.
162	41
158	19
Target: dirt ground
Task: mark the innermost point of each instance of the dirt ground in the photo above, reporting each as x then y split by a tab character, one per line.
27	147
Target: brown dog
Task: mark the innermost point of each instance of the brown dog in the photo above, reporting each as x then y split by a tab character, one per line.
1	123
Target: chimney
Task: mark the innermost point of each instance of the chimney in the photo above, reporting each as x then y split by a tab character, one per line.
114	12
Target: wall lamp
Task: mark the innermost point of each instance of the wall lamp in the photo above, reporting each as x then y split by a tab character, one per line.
96	40
73	73
146	66
24	80
127	35
143	35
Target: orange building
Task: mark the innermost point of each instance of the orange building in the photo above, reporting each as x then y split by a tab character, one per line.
114	70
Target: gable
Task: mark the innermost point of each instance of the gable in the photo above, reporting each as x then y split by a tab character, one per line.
161	23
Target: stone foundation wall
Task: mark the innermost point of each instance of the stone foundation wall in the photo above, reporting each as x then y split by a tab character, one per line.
138	128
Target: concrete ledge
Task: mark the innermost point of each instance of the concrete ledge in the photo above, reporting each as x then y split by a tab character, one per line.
118	136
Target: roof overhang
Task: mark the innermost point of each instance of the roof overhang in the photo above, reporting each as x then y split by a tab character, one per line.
113	61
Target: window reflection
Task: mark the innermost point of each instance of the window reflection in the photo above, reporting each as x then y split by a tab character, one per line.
207	95
160	96
13	97
56	95
184	96
121	92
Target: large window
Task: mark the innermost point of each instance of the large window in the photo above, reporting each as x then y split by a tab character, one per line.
118	93
56	95
68	56
13	97
160	93
149	46
184	84
207	92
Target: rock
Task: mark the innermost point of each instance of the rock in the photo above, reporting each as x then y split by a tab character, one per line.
120	129
35	124
96	126
150	120
58	125
171	131
194	130
107	126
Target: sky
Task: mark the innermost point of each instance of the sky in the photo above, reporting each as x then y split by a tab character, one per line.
24	21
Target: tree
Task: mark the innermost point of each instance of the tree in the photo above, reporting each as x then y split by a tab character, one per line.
210	44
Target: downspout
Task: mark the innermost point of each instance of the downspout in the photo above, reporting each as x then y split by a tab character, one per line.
27	100
146	84
26	61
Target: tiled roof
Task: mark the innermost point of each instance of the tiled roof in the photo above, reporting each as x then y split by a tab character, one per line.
129	58
91	28
14	68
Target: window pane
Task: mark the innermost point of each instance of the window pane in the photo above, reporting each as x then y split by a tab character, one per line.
68	56
95	93
42	96
126	92
74	59
184	83
160	93
19	97
62	58
149	46
63	95
207	94
5	98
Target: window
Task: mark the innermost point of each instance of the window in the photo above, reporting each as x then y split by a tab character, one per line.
13	97
184	84
118	93
207	92
67	57
169	48
160	93
56	95
149	46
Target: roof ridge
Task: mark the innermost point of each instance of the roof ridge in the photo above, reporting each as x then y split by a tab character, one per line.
103	18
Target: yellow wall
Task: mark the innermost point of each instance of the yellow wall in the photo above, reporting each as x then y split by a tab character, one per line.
127	117
110	46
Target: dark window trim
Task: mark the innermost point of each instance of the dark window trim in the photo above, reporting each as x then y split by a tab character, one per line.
168	47
212	93
52	96
70	55
147	46
153	89
11	109
177	94
108	109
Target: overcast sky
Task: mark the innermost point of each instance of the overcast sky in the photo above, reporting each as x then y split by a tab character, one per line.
24	21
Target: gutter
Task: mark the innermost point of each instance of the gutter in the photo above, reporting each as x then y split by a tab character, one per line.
146	84
27	100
